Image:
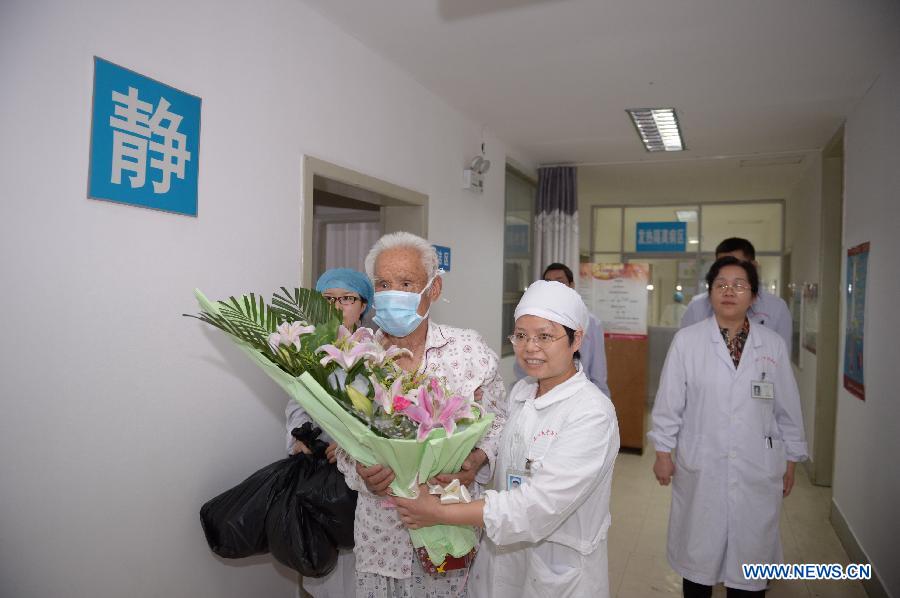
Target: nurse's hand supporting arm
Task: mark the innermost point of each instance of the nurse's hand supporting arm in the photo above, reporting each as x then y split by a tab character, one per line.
427	510
664	468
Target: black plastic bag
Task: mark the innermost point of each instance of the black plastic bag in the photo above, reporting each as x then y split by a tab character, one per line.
333	505
234	521
298	508
313	517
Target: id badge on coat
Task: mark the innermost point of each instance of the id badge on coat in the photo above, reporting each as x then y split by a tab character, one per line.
516	478
760	389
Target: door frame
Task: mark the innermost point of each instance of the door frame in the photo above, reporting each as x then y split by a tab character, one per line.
402	208
820	465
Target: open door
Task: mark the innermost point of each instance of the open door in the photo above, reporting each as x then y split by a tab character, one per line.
344	212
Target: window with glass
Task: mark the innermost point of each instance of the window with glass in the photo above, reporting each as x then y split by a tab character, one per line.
518	246
676	276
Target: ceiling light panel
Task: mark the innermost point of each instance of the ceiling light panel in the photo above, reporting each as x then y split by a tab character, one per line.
658	128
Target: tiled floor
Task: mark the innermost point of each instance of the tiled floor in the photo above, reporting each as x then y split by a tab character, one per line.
637	540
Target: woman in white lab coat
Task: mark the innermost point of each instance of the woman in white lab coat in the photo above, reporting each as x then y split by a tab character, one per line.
546	519
728	406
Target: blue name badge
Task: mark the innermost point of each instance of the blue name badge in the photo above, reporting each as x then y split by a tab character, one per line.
145	141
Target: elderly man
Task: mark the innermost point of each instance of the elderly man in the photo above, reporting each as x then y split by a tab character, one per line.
404	270
592	354
767	310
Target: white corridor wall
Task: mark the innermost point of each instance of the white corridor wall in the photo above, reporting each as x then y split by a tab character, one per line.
866	474
120	417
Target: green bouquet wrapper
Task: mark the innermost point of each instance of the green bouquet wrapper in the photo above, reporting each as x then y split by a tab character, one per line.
413	462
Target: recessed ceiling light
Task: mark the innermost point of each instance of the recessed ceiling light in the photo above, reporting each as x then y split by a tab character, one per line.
658	128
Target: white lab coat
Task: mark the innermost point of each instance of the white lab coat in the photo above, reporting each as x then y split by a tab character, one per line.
548	537
727	487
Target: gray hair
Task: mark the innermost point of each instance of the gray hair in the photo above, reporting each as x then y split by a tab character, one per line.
403	239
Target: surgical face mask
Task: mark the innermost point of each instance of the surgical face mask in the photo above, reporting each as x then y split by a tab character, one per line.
396	311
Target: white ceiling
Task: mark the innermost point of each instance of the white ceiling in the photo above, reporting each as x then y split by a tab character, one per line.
553	77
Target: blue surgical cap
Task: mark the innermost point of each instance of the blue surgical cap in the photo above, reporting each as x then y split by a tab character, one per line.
346	278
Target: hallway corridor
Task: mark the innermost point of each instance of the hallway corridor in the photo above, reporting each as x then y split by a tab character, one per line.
637	538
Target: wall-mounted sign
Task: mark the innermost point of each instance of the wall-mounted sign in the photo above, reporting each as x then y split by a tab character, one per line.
145	141
661	236
443	254
857	272
617	294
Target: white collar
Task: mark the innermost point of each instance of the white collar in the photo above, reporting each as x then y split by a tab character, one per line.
558	393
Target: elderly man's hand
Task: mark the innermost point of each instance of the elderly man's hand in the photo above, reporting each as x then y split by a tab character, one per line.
299	447
377	478
330	452
466	474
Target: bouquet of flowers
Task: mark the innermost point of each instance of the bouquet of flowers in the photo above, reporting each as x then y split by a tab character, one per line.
352	387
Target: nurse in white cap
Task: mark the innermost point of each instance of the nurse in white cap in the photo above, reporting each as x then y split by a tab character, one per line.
546	520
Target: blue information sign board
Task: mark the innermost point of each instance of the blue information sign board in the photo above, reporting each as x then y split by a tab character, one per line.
443	254
145	141
661	236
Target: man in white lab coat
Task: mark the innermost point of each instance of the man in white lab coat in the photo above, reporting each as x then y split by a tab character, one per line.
728	406
767	309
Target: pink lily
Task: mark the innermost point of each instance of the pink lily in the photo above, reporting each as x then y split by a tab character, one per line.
401	403
450	409
436	410
387	397
421	412
360	335
345	358
381	356
349	348
289	333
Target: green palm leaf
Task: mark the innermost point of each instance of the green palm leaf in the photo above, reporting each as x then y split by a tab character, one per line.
250	315
305	305
247	318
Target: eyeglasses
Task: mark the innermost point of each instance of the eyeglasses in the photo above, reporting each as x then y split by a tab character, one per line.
738	288
542	340
343	300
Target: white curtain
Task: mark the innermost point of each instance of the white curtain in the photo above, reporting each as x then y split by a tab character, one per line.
556	219
347	243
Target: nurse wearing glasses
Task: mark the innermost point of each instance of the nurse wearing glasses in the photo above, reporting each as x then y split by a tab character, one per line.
546	520
351	292
348	290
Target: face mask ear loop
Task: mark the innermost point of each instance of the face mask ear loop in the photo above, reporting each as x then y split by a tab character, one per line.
440	272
